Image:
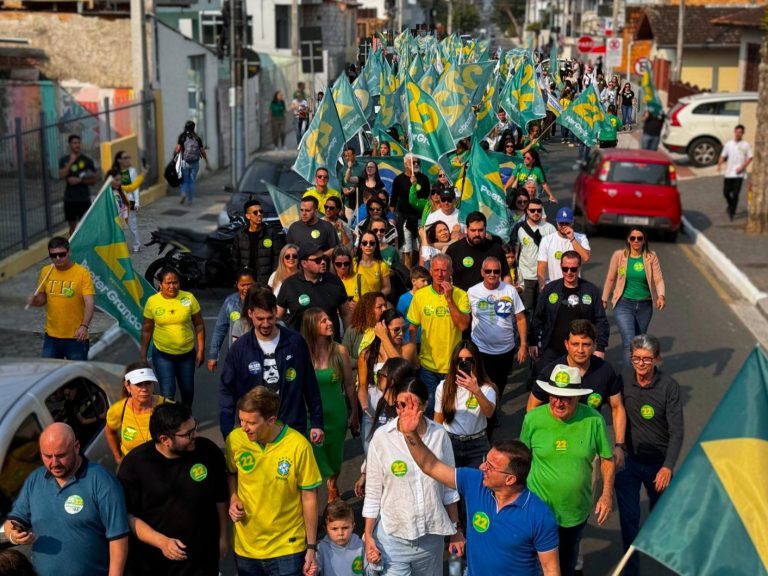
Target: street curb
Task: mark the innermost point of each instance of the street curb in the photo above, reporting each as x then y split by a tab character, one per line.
721	262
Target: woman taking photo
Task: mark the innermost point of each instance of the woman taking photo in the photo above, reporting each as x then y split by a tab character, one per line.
277	119
654	437
174	324
334	377
633	283
229	315
131	183
392	538
389	331
128	418
463	403
287	266
372	273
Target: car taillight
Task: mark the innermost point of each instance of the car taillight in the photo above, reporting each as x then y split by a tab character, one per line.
672	175
604	169
673	119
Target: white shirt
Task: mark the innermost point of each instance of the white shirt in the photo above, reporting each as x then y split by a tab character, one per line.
334	560
529	252
551	250
736	153
493	317
450	219
275	289
409	503
469	418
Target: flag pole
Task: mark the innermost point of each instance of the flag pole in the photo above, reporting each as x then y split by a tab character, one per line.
623	561
37	290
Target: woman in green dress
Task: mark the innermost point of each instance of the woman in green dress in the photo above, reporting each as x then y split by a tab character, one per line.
334	376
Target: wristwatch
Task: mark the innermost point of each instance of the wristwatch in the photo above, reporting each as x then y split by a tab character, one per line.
312	547
621	445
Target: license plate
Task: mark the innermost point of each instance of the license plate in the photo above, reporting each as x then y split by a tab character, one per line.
636	220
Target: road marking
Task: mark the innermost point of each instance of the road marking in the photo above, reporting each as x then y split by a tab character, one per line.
708	276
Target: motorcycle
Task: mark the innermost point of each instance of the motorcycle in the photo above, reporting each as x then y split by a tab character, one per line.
202	260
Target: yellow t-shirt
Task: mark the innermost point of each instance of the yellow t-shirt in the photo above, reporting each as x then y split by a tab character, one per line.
439	335
269	481
371	278
350	285
64	291
174	332
133	428
321	198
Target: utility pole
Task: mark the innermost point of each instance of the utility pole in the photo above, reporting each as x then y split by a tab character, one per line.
236	69
295	27
139	68
680	32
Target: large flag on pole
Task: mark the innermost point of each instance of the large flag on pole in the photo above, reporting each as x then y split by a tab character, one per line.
348	107
526	93
285	205
585	116
713	518
650	97
322	143
99	245
455	104
363	95
429	136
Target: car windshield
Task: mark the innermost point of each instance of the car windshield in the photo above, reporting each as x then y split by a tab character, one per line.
639	173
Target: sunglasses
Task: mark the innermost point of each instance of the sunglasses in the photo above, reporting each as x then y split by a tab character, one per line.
290	257
396	330
322	177
257	212
368	243
400	405
535	210
522	202
56	255
441	176
330	207
509	145
378	230
567	269
636	238
496	271
342	263
446	200
372	209
318	259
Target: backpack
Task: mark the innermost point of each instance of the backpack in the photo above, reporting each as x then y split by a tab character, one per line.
171	175
191	150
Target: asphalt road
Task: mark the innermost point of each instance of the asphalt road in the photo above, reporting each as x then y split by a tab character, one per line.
703	347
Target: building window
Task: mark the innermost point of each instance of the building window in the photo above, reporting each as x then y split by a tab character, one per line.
211	27
282	26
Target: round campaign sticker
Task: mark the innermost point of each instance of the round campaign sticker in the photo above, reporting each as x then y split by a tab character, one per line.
159	311
481	522
553	298
186	301
399	468
234	316
472	403
622	271
638	267
304	299
468	261
357	565
68	292
558	255
290	374
254	367
594	400
246	461
315	234
129	433
73	504
504	307
586	299
526	241
647	411
267	243
198	472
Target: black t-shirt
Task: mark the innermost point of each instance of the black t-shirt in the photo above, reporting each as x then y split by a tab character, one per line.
321	232
468	261
600	377
401	188
653	125
627	98
569	310
178	498
297	294
81	167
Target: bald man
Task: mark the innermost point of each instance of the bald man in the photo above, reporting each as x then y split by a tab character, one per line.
72	511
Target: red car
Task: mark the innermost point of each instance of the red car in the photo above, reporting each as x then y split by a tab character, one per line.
620	187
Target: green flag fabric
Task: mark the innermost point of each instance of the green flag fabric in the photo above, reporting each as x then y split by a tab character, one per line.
285	205
485	115
526	93
430	78
650	97
429	135
554	66
372	71
475	78
363	95
584	117
455	105
322	143
99	245
395	148
481	189
713	517
348	107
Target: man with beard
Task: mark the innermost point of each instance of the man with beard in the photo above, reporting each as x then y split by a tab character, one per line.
176	493
468	254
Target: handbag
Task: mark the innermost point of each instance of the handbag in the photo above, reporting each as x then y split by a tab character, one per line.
171	173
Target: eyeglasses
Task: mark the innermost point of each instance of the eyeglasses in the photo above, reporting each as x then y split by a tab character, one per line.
342	263
188	435
56	255
290	257
567	269
495	271
642	360
330	207
368	243
535	210
318	259
322	176
491	468
636	238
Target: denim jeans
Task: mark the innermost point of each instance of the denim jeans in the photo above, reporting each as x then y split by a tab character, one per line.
291	565
189	179
65	348
633	318
300	126
401	557
648	142
629	481
570	539
365	430
431	380
171	369
626	115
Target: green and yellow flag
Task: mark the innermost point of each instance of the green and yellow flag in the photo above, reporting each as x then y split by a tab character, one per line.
650	97
585	116
430	78
372	72
363	95
526	94
99	245
485	115
554	66
395	148
389	106
285	205
429	135
475	78
322	143
455	104
348	107
713	518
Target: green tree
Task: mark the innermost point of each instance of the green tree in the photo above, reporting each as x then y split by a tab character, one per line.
509	14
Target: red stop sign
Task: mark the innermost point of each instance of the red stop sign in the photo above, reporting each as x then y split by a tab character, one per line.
585	44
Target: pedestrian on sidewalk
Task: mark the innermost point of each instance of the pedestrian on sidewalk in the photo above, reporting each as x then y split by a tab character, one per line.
300	109
191	148
627	98
131	182
66	290
277	115
652	125
80	173
736	155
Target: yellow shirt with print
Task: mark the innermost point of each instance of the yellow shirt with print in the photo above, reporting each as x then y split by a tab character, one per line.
133	428
174	332
269	483
371	278
64	291
321	198
439	335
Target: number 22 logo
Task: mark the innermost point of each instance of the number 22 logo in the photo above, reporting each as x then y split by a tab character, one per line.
561	445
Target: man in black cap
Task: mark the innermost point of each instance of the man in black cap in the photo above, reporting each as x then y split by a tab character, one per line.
468	254
311	287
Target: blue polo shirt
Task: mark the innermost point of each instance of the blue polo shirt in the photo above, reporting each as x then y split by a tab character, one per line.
506	541
73	523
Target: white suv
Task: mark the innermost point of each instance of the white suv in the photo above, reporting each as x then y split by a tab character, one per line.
699	125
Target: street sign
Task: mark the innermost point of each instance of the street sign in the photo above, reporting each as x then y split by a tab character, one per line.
585	44
614	49
641	64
